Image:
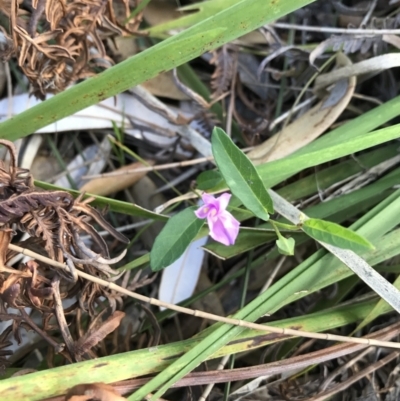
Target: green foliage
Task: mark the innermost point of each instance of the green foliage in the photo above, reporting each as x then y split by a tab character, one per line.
224	26
226	20
209	179
285	245
51	382
334	234
240	175
113	204
175	237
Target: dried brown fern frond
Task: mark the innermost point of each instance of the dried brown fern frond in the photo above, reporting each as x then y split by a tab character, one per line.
97	331
55	222
225	61
58	42
55	217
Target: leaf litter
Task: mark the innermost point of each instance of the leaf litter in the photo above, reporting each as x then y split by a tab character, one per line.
260	92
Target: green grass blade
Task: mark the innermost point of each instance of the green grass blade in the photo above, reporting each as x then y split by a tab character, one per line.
114	205
276	171
379	309
53	382
327	176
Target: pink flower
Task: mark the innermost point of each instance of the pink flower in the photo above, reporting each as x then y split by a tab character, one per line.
223	226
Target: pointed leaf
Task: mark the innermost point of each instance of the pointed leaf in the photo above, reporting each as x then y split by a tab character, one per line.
336	235
240	175
174	238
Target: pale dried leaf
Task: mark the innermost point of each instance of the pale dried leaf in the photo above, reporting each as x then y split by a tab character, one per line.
95	335
106	185
159	12
372	65
310	125
394	40
344	43
93	392
163	85
77	167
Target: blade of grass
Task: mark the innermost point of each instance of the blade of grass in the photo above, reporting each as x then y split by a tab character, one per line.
114	205
315	154
56	381
220	28
294	285
60	161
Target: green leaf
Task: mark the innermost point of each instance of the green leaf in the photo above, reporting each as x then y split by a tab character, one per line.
209	179
285	245
336	235
174	238
240	175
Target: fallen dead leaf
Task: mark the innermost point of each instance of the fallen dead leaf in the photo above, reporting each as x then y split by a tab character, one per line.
98	332
163	85
368	66
160	11
93	392
106	185
311	124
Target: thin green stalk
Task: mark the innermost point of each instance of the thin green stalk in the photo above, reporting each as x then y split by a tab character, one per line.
283	85
117	150
137	10
61	162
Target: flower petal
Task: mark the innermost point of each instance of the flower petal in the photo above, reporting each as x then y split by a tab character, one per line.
202	211
223	201
224	229
208	199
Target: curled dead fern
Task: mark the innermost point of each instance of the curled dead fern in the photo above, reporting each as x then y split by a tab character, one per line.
55	217
224	59
58	42
55	222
